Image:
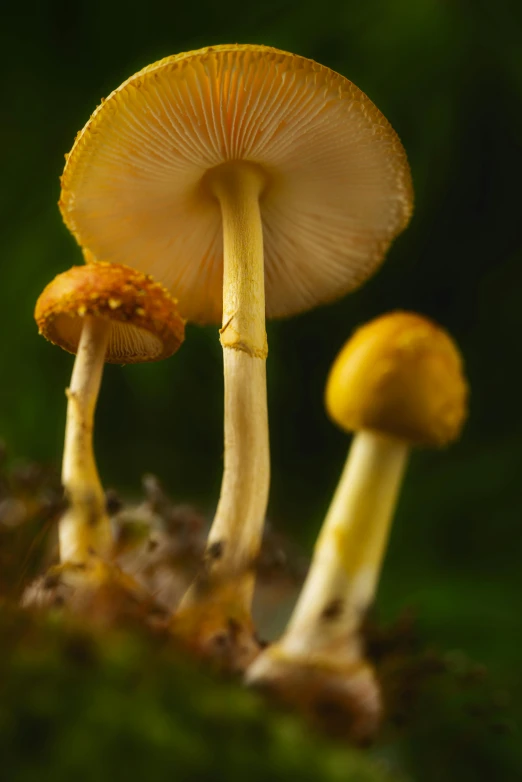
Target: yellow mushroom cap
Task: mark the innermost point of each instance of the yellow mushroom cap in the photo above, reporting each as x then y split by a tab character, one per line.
400	375
145	323
338	187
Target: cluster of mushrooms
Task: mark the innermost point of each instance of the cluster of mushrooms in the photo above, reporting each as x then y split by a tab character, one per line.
227	185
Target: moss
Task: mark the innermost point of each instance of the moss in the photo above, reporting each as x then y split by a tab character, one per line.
76	704
81	702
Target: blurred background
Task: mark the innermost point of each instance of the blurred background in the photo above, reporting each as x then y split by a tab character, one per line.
448	76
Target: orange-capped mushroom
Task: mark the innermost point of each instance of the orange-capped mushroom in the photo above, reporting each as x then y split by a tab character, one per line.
144	323
104	313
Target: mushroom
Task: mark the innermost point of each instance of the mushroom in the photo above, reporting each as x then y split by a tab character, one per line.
110	313
252	182
398	382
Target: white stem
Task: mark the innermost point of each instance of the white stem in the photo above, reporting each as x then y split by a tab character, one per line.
84	529
238	523
235	536
348	555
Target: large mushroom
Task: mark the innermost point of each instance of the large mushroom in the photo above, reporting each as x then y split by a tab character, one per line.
104	313
252	182
397	383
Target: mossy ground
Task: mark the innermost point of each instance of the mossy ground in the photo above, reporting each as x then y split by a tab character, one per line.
84	705
110	698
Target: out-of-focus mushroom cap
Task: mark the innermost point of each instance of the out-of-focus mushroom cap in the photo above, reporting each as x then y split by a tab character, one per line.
400	375
145	323
338	186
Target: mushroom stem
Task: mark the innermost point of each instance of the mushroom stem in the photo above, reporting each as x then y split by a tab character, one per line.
238	525
348	554
84	529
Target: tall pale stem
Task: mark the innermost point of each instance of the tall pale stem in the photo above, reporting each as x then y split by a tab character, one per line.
84	529
348	555
235	536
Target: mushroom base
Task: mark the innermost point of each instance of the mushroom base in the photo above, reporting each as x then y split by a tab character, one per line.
215	627
99	590
341	700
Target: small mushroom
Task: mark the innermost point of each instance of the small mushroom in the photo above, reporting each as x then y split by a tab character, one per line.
398	382
110	313
252	182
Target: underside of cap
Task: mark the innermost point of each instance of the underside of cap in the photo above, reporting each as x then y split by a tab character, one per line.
400	375
338	187
145	323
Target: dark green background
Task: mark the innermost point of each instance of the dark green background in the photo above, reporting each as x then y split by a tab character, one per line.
448	76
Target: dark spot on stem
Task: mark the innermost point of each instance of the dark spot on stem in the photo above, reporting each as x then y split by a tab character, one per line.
221	641
234	628
260	642
215	550
51	581
333	610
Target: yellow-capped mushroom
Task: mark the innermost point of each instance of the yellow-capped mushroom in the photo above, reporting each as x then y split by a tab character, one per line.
398	382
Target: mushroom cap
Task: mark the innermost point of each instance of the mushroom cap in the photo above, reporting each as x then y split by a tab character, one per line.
338	187
145	323
400	375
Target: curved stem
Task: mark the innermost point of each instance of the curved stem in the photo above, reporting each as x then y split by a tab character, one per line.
348	554
84	529
235	535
